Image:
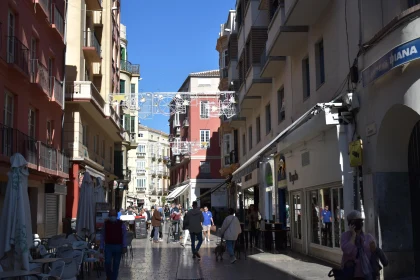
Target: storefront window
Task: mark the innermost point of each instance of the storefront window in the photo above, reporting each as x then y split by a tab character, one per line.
297	219
327	217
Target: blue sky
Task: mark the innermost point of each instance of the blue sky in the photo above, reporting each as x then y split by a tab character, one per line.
170	39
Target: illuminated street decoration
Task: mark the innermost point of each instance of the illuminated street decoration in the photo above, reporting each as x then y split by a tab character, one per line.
149	104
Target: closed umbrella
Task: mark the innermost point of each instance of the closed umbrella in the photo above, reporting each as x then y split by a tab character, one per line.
85	223
16	227
99	192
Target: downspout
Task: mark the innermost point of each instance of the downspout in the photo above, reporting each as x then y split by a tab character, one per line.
64	75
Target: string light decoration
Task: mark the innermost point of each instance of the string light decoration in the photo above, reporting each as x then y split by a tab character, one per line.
149	104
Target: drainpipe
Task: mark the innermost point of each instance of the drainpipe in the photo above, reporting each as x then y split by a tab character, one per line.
64	74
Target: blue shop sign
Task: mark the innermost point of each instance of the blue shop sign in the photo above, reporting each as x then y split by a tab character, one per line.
398	56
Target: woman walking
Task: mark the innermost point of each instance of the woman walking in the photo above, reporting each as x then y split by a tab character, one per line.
230	230
156	224
254	218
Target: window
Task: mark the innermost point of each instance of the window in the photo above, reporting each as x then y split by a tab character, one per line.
224	59
227	144
50	132
141	183
204	109
280	105
111	154
243	144
133	88
141	165
306	79
412	3
127	122
258	129
85	136
103	148
205	139
122	86
267	119
133	124
177	122
31	123
141	149
327	219
320	66
11	23
96	144
297	216
250	138
205	167
141	135
8	109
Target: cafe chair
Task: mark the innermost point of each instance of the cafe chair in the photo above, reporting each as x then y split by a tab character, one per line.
70	271
56	271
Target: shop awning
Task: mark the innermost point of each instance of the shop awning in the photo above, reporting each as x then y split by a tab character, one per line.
177	192
215	188
252	163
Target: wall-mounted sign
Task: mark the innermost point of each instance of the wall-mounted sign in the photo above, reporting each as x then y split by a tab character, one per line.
248	177
371	129
281	171
356	153
293	177
396	57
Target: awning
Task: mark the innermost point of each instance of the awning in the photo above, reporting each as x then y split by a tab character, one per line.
215	188
94	173
177	192
252	163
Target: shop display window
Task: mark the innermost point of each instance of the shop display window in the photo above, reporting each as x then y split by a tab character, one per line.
297	216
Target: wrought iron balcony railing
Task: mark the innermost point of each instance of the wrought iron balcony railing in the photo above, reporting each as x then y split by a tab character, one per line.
58	21
92	41
18	54
127	66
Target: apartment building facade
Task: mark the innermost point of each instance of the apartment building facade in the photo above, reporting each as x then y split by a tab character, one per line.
92	127
333	78
31	85
194	139
148	165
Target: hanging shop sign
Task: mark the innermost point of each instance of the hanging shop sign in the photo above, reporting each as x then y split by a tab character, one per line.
396	57
293	177
281	171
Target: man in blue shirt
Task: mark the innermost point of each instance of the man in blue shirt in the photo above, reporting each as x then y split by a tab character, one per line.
326	220
208	222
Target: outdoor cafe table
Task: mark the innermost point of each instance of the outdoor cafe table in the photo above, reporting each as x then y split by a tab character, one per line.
45	262
17	274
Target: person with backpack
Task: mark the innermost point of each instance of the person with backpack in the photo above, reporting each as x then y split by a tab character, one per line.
230	230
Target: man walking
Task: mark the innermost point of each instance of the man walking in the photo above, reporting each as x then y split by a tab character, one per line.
208	222
113	241
194	223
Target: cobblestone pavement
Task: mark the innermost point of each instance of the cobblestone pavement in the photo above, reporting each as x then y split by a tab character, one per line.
172	262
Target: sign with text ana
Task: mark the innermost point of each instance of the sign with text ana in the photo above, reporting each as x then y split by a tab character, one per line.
396	57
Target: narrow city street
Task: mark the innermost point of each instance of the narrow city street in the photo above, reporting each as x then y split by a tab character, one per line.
172	262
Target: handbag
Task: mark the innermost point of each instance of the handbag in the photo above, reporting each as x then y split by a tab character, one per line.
345	273
213	228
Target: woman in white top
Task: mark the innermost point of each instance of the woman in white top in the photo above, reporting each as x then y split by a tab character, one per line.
230	230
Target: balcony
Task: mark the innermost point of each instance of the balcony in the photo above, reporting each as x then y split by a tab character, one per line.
126	66
140	154
39	75
85	91
58	22
141	171
45	7
57	91
91	47
39	155
111	113
304	12
271	65
93	4
97	18
18	54
255	85
141	190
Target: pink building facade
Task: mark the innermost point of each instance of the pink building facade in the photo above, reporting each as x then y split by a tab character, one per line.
31	98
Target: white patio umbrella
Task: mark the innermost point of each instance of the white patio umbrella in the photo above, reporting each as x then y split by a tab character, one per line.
85	212
16	227
99	192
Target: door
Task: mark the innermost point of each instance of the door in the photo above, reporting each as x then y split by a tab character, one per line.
414	176
11	22
51	215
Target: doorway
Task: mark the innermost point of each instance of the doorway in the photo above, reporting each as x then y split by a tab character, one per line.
414	177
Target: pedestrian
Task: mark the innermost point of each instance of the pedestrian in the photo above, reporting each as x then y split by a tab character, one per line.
113	243
185	229
193	221
208	222
230	230
121	212
254	218
357	248
175	220
156	224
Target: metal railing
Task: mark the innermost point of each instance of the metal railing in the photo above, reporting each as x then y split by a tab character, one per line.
17	53
57	91
127	66
58	21
39	75
114	115
14	141
92	41
264	57
45	4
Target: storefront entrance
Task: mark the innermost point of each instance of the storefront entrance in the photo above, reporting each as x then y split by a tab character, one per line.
414	177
